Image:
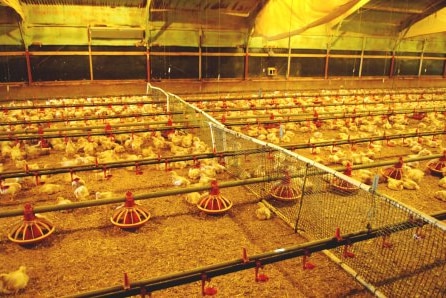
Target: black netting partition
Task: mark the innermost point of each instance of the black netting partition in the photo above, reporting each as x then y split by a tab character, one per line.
393	248
190	118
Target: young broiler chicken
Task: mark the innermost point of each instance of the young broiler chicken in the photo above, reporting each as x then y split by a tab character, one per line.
10	189
13	282
395	184
81	192
263	213
178	180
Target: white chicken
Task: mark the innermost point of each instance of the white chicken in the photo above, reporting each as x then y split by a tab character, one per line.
205	180
100	195
263	212
410	184
442	182
193	197
194	173
50	188
178	180
77	181
414	174
81	193
10	189
13	282
440	195
70	149
395	184
62	201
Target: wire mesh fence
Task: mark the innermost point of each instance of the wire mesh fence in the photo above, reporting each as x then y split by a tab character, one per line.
406	259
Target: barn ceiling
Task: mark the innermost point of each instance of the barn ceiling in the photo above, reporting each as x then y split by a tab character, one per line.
230	23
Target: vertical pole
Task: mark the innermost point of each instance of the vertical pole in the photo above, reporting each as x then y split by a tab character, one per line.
362	57
444	69
326	63
289	58
420	66
149	70
392	65
90	58
28	66
200	56
246	69
27	56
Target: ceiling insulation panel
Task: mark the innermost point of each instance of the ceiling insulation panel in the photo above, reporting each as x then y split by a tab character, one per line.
84	16
223	39
236	7
117	33
108	3
176	37
57	36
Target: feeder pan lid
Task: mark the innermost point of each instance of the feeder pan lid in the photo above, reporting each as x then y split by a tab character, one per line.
395	171
214	203
436	166
34	228
130	215
284	191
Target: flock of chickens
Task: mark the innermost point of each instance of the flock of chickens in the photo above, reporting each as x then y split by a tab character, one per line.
111	147
365	122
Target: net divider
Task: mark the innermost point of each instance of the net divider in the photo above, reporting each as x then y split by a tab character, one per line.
205	115
328	170
425	217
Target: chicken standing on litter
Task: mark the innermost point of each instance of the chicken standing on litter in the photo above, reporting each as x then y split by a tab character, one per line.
13	282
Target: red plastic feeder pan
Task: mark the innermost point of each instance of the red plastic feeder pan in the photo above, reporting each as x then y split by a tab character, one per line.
214	203
130	215
394	172
34	228
342	186
284	191
437	166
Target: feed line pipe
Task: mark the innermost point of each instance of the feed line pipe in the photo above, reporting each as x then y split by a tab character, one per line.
123	164
107	126
363	140
193	157
102	118
157	194
171	192
315	116
306	93
84	97
110	132
254	261
320	105
63	105
308	117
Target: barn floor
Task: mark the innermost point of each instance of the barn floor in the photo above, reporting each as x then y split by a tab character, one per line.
86	252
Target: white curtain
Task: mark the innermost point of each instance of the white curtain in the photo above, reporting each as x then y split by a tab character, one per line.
435	23
282	18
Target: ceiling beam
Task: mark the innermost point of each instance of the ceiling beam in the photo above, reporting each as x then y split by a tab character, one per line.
252	18
392	9
431	9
